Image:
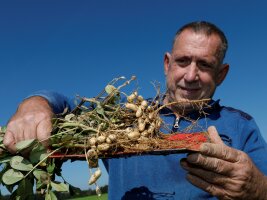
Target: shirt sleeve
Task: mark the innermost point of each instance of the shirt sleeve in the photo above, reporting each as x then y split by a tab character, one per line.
57	101
255	145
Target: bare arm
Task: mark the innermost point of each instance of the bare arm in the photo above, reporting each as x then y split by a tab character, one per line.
225	172
31	120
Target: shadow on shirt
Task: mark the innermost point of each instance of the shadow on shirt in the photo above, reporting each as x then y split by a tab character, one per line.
143	193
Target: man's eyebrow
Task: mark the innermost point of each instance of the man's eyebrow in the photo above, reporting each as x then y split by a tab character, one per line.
213	61
177	56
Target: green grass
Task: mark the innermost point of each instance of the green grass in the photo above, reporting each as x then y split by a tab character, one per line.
93	197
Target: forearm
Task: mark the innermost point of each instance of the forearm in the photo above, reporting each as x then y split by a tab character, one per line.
33	103
57	101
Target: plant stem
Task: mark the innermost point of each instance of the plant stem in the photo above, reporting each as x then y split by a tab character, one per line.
42	161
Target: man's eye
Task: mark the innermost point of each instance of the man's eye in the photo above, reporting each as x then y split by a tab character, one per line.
204	65
183	62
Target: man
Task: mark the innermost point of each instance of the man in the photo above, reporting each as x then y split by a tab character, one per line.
233	166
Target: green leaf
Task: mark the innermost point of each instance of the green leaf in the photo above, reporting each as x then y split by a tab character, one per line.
3	153
40	174
66	138
25	144
25	190
6	159
38	153
20	163
43	179
14	196
39	185
110	88
12	176
50	196
60	187
3	129
100	110
50	168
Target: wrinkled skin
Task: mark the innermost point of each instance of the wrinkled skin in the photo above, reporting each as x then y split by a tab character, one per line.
31	120
224	172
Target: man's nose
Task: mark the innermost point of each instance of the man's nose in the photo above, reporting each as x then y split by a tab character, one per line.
191	73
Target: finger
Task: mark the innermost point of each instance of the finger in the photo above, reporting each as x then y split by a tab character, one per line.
220	151
210	163
214	136
16	130
44	131
206	175
9	141
214	190
30	131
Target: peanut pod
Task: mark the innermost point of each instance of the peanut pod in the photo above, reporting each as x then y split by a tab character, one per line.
94	177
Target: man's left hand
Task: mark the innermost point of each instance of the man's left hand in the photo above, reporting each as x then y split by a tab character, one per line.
224	172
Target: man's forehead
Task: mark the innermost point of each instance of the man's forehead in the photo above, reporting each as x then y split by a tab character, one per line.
189	34
190	43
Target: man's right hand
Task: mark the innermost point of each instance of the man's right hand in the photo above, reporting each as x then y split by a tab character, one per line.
32	120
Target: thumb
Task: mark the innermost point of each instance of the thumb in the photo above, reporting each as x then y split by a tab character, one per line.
44	131
214	136
9	142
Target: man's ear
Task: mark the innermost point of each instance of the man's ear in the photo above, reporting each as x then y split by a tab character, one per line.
223	71
167	58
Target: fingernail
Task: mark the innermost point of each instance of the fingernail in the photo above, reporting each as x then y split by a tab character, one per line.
192	158
204	148
184	164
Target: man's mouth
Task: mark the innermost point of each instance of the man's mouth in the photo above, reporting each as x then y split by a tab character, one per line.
190	89
189	92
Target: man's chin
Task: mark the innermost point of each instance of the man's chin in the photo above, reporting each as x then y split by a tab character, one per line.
187	99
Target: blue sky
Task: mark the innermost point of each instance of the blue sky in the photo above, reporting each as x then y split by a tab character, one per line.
77	47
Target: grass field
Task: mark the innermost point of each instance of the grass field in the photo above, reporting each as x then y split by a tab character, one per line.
94	197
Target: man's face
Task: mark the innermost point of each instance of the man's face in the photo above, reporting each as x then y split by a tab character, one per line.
193	70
